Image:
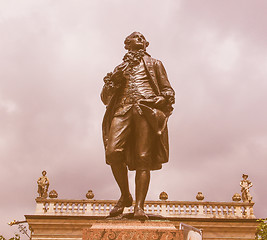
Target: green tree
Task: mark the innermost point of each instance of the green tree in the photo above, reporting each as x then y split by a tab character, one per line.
261	233
17	237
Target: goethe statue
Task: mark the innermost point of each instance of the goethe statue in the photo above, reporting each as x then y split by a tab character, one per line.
139	101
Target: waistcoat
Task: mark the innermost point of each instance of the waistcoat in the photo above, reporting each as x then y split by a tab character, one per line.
137	86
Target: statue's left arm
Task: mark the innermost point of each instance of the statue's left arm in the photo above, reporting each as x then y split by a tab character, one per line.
164	85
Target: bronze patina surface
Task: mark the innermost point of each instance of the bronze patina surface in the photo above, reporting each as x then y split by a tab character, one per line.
139	102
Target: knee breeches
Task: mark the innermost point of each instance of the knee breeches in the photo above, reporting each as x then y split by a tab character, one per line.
130	125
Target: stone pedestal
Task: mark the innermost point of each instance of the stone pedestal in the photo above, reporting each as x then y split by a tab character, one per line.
51	227
132	230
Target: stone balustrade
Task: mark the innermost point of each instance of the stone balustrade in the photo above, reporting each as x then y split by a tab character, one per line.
169	209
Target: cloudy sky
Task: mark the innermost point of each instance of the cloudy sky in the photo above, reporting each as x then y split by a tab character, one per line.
53	57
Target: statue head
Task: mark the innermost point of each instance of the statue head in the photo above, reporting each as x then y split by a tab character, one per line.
135	41
44	173
245	176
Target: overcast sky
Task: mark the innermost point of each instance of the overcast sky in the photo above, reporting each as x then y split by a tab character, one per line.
53	57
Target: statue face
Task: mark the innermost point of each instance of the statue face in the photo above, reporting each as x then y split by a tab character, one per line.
245	176
137	41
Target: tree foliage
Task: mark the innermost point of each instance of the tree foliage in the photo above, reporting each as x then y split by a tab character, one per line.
261	233
16	237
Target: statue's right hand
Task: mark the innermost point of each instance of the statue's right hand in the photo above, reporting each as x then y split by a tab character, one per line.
117	74
107	77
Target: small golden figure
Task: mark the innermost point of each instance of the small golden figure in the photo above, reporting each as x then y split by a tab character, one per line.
43	184
245	186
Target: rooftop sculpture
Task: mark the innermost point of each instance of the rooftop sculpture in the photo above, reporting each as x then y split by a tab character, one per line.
43	184
245	186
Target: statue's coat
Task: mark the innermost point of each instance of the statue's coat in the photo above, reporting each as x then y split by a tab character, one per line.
155	117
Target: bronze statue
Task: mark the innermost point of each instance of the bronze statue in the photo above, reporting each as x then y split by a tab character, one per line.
139	101
43	184
245	185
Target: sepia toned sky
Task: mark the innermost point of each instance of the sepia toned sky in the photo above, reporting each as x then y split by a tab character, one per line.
53	57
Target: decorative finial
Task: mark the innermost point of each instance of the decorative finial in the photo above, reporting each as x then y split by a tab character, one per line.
43	184
245	186
236	197
163	196
90	194
53	194
200	196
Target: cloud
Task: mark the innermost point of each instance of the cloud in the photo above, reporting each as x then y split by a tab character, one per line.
54	55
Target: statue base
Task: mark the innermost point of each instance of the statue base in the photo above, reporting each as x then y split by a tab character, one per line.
133	230
131	217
